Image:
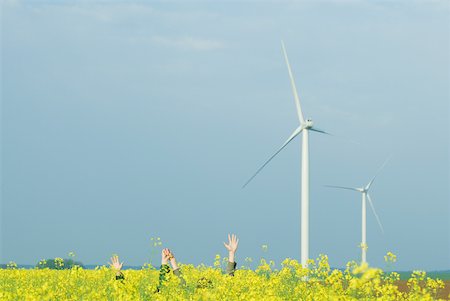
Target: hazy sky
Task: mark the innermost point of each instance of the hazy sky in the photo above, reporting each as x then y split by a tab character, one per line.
127	120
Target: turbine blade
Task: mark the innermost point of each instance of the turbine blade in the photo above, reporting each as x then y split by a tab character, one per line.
294	134
334	135
375	213
319	131
378	172
342	187
294	89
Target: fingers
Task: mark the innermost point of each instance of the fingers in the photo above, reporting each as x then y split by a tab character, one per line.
114	259
168	253
233	242
171	255
232	238
115	263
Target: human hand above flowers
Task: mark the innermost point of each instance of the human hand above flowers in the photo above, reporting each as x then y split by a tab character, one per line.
165	256
116	264
173	261
231	246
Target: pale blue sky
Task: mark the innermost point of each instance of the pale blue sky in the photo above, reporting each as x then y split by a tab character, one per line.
126	120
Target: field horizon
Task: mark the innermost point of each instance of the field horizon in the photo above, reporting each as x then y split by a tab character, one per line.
404	274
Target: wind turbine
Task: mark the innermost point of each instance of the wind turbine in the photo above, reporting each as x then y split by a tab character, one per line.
304	128
365	196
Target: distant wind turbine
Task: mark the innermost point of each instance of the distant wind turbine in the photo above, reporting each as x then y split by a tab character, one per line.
305	126
365	195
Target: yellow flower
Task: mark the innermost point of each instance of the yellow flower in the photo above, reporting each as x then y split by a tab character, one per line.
390	257
317	282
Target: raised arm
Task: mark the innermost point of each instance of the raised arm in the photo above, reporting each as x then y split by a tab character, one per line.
116	265
165	268
176	269
231	246
166	257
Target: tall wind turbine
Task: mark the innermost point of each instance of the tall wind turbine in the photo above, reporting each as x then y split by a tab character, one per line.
365	196
304	127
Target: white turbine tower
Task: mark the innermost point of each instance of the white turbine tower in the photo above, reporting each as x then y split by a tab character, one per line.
305	126
365	196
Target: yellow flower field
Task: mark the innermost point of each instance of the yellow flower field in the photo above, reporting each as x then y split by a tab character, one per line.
291	282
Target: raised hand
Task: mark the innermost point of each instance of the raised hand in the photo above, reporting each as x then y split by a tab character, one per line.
116	264
173	261
165	256
231	246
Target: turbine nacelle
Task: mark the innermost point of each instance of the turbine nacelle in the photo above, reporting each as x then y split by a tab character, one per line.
308	124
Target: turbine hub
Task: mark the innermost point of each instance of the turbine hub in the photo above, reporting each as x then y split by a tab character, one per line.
308	124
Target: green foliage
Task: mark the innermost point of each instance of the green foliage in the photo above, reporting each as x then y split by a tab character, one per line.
58	264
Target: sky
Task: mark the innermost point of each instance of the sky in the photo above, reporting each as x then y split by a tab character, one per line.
127	120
